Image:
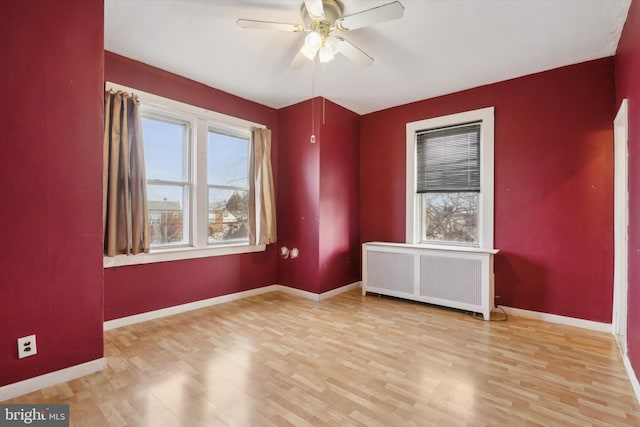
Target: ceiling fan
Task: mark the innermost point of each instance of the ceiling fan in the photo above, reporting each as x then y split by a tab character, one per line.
323	20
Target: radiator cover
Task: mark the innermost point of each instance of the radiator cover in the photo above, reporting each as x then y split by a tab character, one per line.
457	277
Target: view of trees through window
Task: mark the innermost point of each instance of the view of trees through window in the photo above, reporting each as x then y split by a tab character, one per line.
228	215
450	217
227	179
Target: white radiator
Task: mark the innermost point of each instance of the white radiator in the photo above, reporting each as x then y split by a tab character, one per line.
457	277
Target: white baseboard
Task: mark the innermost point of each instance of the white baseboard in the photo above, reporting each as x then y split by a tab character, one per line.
156	314
297	292
340	290
632	376
318	297
52	378
562	320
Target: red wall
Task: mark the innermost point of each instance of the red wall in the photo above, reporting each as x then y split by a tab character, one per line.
318	196
339	198
553	184
298	209
51	171
140	288
627	62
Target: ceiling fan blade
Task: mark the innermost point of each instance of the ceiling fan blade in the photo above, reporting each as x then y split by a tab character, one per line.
372	16
314	9
299	60
356	55
264	25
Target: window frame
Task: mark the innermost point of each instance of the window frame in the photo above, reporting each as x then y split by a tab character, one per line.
486	196
163	114
239	134
202	120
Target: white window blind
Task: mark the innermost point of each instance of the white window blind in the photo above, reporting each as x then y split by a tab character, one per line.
448	159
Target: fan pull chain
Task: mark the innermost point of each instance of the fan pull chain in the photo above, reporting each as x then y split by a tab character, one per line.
313	103
324	90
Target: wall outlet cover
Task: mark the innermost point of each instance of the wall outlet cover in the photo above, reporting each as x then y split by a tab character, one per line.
27	346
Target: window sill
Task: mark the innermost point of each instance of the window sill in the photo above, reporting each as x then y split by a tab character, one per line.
175	254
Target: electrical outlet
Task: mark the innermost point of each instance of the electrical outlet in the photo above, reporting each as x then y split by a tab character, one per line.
27	346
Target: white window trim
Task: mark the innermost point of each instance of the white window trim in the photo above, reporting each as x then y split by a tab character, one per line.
203	119
163	255
157	113
485	211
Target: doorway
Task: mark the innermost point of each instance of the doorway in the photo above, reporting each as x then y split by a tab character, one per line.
620	221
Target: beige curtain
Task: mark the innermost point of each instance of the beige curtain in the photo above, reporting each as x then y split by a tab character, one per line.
124	209
262	206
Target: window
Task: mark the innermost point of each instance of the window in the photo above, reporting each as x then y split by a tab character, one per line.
166	147
197	168
228	187
448	183
450	180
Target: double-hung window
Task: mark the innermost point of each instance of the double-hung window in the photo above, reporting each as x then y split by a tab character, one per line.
228	186
197	171
167	146
450	180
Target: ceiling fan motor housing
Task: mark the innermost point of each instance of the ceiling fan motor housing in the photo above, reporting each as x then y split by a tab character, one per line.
333	10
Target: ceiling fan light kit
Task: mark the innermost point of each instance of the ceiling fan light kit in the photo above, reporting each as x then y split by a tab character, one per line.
329	48
321	18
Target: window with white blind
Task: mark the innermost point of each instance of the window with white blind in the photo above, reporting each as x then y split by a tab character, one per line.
450	180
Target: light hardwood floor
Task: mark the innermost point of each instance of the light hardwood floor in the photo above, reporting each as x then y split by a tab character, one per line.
280	360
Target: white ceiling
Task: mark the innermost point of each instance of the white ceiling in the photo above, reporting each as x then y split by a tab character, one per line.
438	47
